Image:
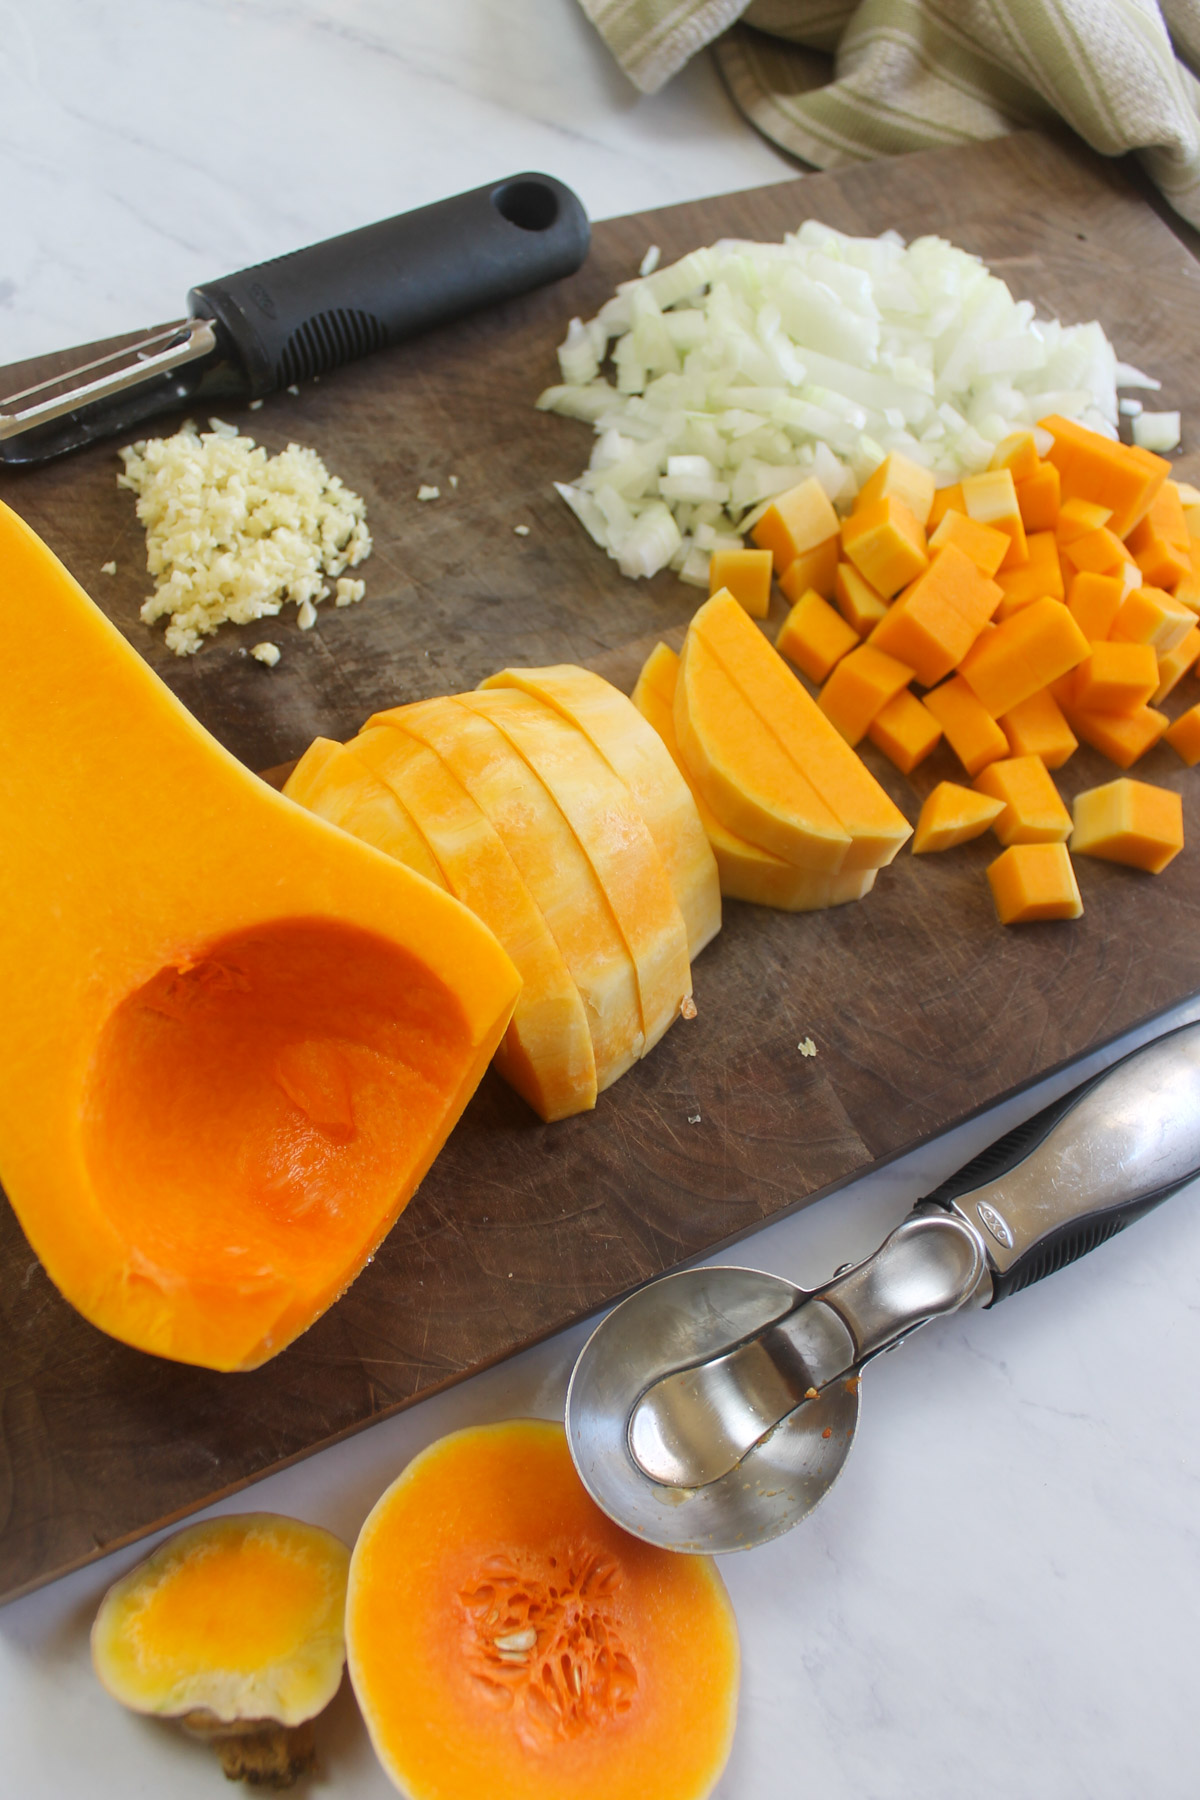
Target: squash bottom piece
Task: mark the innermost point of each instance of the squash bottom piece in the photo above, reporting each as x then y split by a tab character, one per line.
237	1037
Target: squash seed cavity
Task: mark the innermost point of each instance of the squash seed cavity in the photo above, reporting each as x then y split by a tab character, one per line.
543	1639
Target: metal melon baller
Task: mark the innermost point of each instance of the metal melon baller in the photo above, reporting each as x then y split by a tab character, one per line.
713	1409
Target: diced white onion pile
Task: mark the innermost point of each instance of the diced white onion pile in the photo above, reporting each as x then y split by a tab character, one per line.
745	367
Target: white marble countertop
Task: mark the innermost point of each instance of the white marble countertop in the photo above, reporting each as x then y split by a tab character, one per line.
1001	1597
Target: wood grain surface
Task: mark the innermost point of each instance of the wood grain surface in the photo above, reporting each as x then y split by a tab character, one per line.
923	1010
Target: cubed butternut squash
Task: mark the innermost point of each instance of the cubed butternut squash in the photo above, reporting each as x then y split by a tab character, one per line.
1033	811
986	547
1100	551
1039	575
1018	453
814	636
1122	737
1159	542
747	575
1038	497
953	815
796	521
1120	476
1184	735
1175	665
859	604
1038	727
886	544
970	729
906	479
991	497
1094	601
815	568
1150	616
1115	678
859	687
1129	822
1027	652
936	620
1077	517
1031	882
905	730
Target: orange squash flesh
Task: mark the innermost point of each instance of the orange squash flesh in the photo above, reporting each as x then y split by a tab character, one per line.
547	1050
343	790
552	865
597	806
637	755
747	872
247	1035
505	1639
240	1618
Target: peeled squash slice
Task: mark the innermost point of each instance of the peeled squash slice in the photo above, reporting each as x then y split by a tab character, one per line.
552	864
745	871
506	1640
340	787
547	1050
746	778
597	806
243	1038
638	756
235	1628
820	755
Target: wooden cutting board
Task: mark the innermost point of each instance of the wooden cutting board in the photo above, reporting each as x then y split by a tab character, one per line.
922	1009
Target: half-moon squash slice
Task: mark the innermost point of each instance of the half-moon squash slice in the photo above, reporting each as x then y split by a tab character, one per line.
746	871
505	1639
600	811
547	1050
612	723
553	865
342	789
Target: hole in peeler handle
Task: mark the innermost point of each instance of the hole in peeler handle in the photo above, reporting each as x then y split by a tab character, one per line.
527	204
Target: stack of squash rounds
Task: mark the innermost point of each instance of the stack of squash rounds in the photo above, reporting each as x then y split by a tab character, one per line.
546	803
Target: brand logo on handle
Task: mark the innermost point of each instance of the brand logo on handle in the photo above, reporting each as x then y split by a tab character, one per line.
990	1219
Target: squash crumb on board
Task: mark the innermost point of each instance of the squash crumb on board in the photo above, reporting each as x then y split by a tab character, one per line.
806	1047
428	492
108	568
266	653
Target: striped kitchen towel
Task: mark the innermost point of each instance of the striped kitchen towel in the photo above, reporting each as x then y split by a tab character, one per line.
838	81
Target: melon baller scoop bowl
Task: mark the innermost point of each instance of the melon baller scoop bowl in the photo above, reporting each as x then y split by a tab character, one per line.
713	1409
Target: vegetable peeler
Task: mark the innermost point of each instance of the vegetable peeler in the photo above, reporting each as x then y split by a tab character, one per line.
712	1410
284	321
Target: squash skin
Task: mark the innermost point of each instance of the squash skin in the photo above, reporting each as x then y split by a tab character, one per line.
487	1508
156	855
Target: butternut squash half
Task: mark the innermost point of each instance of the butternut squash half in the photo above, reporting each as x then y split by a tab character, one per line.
506	1639
236	1037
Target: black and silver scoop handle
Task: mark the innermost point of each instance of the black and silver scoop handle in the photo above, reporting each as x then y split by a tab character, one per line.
1082	1169
289	319
293	317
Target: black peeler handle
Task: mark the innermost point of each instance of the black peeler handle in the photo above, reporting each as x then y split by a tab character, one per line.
1087	1166
289	319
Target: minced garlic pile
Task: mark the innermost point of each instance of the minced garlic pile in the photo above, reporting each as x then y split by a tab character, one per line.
232	533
